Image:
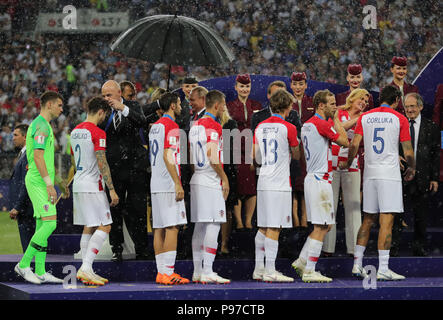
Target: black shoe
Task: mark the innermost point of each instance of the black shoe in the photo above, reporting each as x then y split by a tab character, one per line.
117	257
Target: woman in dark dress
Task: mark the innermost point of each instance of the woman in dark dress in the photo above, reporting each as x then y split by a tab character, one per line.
241	110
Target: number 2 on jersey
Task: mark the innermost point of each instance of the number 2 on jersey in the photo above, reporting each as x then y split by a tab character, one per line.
79	151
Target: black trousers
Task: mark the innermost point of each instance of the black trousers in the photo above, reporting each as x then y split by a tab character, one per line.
26	226
415	203
132	189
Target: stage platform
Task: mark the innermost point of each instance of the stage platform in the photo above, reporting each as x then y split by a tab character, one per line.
134	280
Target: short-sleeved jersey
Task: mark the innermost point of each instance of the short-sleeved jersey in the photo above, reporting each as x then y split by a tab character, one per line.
40	136
274	138
340	154
164	134
204	131
317	135
86	139
382	129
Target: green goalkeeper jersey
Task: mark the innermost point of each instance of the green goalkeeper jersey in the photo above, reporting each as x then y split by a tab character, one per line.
39	136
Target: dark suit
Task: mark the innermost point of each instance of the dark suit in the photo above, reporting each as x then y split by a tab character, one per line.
128	162
416	192
437	117
19	200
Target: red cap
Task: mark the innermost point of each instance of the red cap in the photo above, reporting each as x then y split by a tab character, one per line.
243	78
298	76
400	61
355	69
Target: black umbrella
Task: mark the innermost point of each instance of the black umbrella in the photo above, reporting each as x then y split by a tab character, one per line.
174	40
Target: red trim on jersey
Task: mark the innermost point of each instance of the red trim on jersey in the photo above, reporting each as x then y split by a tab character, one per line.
98	136
404	123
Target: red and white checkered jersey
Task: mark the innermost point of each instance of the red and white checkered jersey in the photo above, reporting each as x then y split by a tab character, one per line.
274	137
317	135
164	134
382	129
204	131
86	139
340	154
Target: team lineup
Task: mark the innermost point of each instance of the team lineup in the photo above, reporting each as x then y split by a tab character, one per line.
329	141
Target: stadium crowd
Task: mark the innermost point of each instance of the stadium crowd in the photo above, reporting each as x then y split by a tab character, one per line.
269	37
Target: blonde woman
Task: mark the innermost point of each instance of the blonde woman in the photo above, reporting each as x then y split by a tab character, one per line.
350	179
230	168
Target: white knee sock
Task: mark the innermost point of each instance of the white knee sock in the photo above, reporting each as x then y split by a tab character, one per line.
271	250
259	250
84	244
210	244
358	255
314	251
159	263
383	260
197	246
94	246
304	251
169	261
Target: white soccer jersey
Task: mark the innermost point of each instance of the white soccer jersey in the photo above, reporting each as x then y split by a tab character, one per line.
86	139
382	129
203	131
317	135
274	137
164	134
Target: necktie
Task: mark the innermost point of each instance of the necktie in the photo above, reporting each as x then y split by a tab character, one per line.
117	119
195	116
246	112
299	108
412	131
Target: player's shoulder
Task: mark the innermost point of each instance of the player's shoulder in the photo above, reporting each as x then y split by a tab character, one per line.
40	122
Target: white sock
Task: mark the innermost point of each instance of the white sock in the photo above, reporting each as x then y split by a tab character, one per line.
358	255
159	262
210	244
197	247
84	244
383	260
271	249
94	246
304	251
259	250
169	261
314	251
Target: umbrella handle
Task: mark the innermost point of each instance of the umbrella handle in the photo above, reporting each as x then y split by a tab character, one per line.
169	77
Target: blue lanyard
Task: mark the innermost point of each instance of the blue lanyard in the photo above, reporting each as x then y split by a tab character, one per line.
211	115
110	120
277	115
385	105
319	116
168	116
